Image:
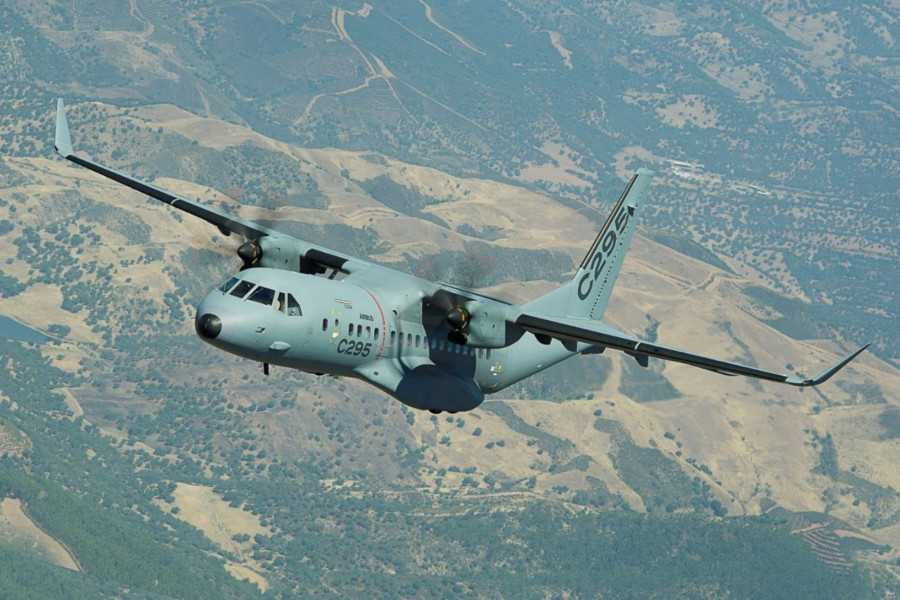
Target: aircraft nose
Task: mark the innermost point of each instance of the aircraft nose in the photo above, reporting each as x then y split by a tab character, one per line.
208	326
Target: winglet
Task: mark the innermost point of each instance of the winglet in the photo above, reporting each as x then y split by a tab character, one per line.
63	141
825	375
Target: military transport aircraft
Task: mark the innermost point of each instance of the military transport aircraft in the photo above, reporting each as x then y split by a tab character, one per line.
430	345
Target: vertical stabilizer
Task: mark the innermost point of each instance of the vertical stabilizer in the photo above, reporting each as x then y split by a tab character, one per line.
587	295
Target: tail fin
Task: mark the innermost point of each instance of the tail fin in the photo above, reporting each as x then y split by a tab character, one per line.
587	295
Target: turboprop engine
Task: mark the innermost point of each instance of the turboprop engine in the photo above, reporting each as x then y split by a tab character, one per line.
481	325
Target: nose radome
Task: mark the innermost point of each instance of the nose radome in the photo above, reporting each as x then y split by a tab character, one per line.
208	326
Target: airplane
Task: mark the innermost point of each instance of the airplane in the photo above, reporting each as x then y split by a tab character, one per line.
432	346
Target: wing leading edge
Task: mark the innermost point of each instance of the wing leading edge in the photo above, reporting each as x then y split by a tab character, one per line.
225	222
599	334
228	224
588	331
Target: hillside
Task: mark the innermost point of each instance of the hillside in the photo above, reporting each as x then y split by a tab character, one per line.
481	144
113	278
773	118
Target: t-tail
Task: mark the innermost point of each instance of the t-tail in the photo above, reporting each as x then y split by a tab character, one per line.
587	295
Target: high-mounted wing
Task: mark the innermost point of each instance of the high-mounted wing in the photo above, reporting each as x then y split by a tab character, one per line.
598	334
226	223
313	257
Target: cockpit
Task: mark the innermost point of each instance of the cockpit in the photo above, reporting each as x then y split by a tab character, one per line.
251	292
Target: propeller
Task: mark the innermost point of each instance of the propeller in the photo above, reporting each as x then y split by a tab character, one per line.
458	318
250	252
215	254
444	306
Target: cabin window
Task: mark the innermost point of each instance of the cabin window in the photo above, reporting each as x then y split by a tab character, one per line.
241	289
262	295
409	339
227	285
351	329
488	354
417	341
376	333
480	353
393	337
324	324
293	308
433	343
359	331
368	331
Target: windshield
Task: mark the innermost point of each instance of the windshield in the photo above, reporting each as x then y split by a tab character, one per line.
241	289
283	302
224	287
263	295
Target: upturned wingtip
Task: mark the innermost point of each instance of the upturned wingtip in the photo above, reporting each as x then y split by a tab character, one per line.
63	142
828	373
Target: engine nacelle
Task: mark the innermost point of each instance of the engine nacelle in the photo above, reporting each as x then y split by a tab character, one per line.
489	327
280	252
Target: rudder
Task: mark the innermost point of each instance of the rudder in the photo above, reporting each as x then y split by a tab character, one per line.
588	293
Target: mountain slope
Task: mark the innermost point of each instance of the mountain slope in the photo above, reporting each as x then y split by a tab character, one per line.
115	278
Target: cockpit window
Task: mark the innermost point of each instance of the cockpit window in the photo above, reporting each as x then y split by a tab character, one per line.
293	308
227	285
241	289
280	304
263	295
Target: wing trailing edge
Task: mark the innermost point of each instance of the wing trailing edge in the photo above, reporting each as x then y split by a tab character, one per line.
598	334
313	257
225	222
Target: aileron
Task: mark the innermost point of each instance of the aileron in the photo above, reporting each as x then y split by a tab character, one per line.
598	334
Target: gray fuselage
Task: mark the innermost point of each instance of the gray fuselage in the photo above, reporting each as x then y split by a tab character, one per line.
342	328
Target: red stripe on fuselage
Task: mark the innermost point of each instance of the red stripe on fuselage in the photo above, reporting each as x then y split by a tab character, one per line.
383	322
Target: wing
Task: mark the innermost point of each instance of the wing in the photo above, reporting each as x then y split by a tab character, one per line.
313	256
226	223
599	334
